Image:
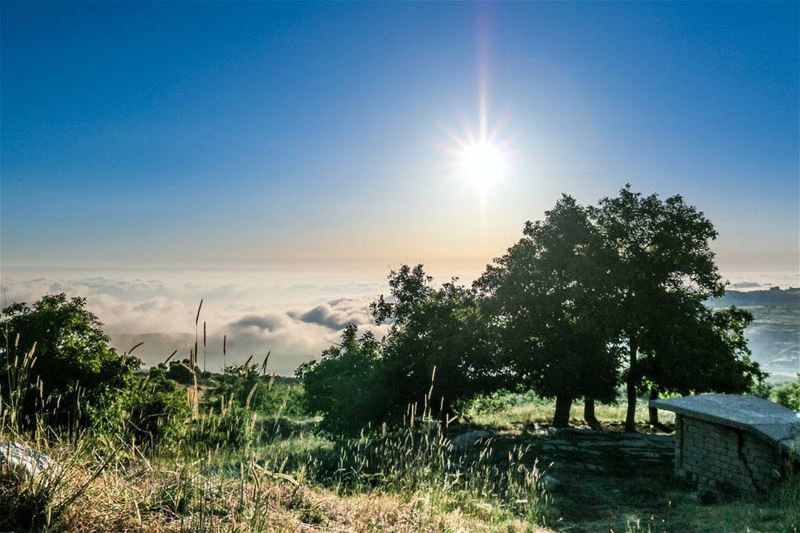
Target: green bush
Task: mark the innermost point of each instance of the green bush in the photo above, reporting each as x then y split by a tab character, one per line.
75	377
346	385
788	395
500	401
157	410
180	372
246	386
233	429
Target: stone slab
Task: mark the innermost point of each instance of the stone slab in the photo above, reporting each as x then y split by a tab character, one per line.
749	413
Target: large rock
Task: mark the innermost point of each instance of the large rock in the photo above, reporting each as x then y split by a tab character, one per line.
22	461
469	439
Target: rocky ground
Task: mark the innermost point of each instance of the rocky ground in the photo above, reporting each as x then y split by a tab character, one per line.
592	474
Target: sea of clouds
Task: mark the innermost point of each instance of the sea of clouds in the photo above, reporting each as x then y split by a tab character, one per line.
293	320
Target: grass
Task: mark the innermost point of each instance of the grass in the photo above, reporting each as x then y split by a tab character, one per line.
401	481
517	412
778	512
286	475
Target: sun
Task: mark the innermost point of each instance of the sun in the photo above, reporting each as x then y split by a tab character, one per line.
481	163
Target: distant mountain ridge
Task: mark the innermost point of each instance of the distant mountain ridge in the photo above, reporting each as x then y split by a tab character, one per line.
773	296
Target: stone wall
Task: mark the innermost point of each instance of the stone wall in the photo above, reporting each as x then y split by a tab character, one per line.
717	456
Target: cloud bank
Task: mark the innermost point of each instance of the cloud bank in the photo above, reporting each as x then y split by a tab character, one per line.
296	323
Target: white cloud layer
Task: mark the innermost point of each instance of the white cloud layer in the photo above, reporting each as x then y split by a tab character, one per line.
296	323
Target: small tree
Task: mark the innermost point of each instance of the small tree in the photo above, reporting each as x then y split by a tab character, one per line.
248	386
81	377
346	385
156	410
181	371
437	351
788	395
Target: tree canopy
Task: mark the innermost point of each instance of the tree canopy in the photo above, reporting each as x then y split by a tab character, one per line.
589	297
437	351
80	377
544	294
657	258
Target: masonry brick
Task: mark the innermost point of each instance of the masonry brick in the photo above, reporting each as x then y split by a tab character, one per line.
712	453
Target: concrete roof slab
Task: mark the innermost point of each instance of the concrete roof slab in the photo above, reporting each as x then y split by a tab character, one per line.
750	413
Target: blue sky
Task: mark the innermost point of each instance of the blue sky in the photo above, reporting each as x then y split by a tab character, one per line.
245	135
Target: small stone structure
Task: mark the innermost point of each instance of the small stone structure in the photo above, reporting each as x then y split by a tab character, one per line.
731	441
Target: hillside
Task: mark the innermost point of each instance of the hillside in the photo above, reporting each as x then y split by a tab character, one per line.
767	297
774	335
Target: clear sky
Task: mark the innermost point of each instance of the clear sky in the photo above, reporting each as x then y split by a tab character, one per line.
306	136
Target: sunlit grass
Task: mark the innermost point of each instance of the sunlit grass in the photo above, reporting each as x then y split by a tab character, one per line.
507	411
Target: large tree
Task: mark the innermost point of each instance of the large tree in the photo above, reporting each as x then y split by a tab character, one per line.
657	257
547	294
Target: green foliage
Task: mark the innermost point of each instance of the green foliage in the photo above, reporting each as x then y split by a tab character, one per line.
435	355
77	378
501	400
181	372
582	293
346	385
438	351
232	428
761	388
157	410
659	264
247	386
544	294
788	395
694	349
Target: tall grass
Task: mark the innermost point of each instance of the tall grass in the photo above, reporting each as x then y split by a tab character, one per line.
18	381
423	462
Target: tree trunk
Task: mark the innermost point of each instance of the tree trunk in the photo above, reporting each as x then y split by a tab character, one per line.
563	407
652	411
589	416
633	378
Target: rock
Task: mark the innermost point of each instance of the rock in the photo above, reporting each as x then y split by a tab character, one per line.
550	482
22	461
594	468
469	439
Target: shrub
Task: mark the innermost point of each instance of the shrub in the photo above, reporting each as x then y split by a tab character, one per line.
180	372
157	410
246	386
346	385
80	378
233	428
500	401
788	395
